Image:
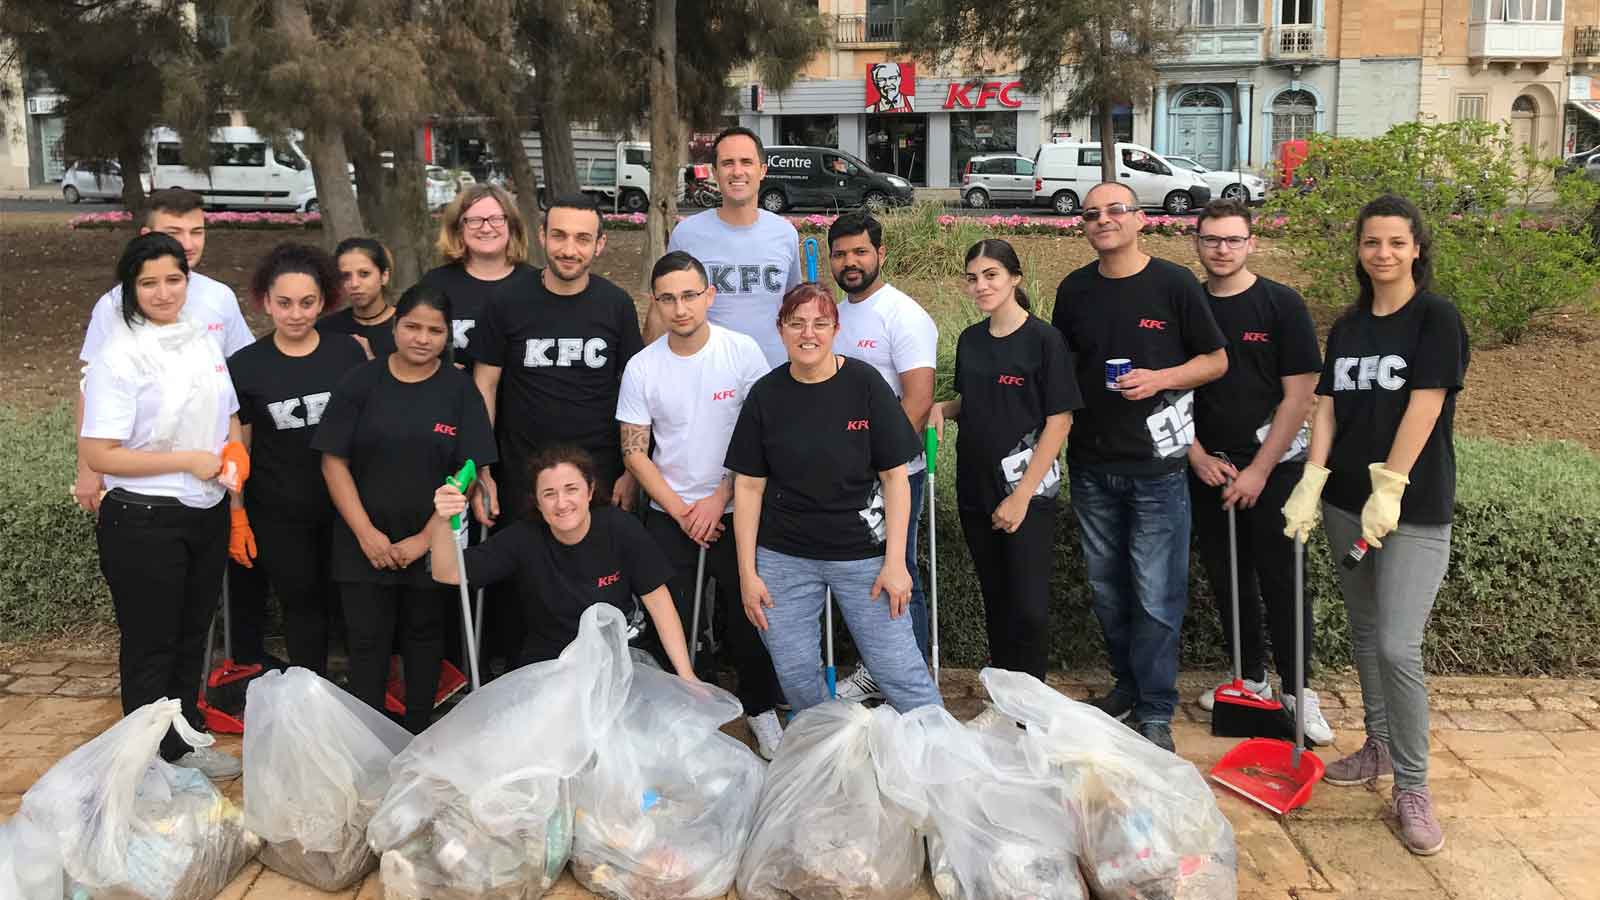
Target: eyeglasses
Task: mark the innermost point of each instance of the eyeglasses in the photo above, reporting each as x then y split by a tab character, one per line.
1213	241
820	326
686	297
476	222
1093	213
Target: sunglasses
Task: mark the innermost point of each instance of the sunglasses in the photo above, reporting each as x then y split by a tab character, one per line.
1093	213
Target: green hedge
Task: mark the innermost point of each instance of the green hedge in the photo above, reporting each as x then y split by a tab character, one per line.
1522	595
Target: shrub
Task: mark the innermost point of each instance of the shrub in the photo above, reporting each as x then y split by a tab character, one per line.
1512	243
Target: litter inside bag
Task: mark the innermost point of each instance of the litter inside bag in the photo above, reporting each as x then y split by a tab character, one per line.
996	830
316	765
1149	825
480	805
666	809
132	827
824	830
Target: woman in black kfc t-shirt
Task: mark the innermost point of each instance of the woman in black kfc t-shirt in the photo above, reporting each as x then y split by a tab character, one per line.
483	242
1017	392
394	430
364	265
821	501
564	558
285	381
1381	444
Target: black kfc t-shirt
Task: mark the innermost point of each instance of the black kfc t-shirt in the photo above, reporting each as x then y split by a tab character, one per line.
821	446
1158	319
561	360
614	562
1008	386
1270	337
401	440
1372	365
470	296
283	399
380	337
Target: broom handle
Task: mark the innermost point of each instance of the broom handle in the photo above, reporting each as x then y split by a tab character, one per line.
1233	585
227	620
1299	647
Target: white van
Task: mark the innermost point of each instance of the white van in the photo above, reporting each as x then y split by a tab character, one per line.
247	170
1064	173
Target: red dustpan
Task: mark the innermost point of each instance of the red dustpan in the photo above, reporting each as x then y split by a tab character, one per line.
222	692
1277	775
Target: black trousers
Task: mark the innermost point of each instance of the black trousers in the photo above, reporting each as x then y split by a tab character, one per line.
247	609
164	566
1014	576
1266	571
371	613
758	683
296	559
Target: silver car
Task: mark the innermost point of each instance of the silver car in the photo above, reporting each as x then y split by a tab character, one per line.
996	180
95	179
1245	187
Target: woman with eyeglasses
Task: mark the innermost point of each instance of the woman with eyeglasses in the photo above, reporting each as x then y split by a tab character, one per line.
484	244
821	501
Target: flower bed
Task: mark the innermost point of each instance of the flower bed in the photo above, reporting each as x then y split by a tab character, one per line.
259	221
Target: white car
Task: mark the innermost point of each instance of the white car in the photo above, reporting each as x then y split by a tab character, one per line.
95	179
1230	185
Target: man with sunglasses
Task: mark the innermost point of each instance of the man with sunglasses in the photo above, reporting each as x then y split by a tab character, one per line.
1129	447
1250	449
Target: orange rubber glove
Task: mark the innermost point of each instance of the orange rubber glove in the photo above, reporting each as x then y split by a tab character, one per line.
241	539
235	466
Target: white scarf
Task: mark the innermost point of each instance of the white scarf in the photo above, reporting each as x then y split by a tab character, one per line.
186	364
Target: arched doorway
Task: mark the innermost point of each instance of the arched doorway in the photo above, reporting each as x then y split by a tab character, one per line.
1525	122
1294	117
1199	126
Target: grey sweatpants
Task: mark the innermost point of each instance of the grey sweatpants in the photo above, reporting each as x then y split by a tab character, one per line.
1388	598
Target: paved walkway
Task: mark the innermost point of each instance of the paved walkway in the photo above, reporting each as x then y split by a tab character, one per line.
1515	774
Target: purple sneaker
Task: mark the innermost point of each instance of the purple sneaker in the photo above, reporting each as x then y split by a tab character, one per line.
1419	828
1364	766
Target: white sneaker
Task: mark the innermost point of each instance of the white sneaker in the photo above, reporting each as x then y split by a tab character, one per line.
1318	731
212	763
768	732
860	687
1262	689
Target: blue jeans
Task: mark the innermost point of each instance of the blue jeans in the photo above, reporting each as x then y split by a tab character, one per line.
1135	535
794	629
919	600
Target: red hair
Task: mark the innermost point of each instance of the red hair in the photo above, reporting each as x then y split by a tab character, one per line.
806	292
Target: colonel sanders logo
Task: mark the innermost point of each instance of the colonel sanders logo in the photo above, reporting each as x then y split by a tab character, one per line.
891	87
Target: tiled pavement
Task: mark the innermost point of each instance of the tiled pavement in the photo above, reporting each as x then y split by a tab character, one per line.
1515	775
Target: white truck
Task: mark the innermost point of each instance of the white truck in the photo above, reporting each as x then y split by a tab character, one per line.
247	169
616	173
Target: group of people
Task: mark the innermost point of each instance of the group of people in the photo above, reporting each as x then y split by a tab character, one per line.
775	434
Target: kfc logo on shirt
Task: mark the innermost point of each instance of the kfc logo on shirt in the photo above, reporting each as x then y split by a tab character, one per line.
283	415
216	326
568	352
1154	324
1011	379
609	580
442	428
1256	337
1358	373
723	395
857	425
867	344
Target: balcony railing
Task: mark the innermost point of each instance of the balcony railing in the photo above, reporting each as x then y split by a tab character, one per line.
856	30
1298	42
1586	41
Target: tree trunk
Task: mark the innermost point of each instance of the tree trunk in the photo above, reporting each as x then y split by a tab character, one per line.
324	142
550	92
505	136
131	159
400	216
370	184
1108	137
664	140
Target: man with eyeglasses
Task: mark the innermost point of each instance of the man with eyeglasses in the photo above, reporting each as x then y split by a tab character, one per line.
1250	450
1141	330
685	389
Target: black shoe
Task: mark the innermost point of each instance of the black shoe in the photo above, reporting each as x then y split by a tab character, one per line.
1113	704
1158	733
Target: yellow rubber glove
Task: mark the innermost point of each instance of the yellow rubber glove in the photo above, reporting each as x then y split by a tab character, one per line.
1304	509
1382	513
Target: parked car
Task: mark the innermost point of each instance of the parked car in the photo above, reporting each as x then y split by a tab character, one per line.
1587	162
1064	173
95	179
443	186
1231	185
825	178
995	179
247	170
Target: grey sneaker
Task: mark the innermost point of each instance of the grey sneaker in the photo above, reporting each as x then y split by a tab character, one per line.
769	733
1113	704
1318	731
859	687
210	762
1419	829
1158	733
1262	689
1364	766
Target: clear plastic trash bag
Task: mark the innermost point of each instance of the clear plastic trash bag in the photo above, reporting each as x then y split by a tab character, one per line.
129	826
996	830
1149	824
824	829
316	765
30	866
480	805
667	807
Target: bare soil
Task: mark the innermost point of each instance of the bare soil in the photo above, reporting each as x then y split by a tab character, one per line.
1541	389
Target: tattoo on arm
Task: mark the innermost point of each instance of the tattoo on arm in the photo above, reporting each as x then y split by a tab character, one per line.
635	439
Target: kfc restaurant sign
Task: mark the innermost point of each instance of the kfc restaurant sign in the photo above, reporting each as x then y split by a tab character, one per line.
979	94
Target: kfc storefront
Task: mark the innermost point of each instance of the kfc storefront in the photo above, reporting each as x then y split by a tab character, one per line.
923	130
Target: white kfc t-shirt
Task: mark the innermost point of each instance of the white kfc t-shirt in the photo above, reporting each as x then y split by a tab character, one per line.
892	333
208	300
691	404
